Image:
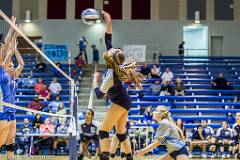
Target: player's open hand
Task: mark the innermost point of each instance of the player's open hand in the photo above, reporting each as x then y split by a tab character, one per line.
139	153
106	16
97	77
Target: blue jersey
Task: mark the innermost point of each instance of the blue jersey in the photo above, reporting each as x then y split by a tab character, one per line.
88	130
9	89
224	134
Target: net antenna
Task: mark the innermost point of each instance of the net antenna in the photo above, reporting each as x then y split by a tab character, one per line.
73	100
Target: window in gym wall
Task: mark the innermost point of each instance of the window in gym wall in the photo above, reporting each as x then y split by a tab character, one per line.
196	5
56	9
224	9
141	9
114	7
6	6
80	5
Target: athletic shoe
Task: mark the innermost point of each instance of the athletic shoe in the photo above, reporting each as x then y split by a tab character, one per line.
190	156
223	156
204	156
228	156
213	156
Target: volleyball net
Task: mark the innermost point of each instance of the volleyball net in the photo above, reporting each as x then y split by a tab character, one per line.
45	64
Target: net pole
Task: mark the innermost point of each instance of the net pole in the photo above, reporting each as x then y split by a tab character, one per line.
72	138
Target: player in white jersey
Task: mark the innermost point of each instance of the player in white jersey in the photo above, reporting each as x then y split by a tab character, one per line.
169	133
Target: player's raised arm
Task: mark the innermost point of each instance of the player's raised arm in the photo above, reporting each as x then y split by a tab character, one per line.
20	62
108	32
108	22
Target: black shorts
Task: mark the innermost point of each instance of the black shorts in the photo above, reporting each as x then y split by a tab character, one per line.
123	100
182	151
94	140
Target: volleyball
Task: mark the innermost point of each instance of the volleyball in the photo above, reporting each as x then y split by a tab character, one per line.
90	16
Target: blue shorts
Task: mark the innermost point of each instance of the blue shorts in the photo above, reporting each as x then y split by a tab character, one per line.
182	151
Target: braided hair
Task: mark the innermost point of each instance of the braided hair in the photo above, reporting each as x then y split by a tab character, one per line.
114	58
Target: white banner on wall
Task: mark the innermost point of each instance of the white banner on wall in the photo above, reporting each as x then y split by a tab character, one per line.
135	52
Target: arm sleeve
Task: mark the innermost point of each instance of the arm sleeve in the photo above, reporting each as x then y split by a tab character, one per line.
108	41
235	133
212	131
60	87
231	135
107	83
218	134
97	127
80	128
234	130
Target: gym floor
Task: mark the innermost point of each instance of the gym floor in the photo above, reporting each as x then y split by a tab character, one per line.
66	158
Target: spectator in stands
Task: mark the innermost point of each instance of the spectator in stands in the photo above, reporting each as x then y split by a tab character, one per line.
46	128
56	73
39	86
155	73
55	105
210	137
76	75
181	49
178	87
166	89
180	125
40	66
199	140
55	88
156	88
24	142
88	133
39	43
225	139
208	130
36	104
38	120
28	82
61	141
167	75
82	47
148	115
53	120
236	134
45	93
95	54
62	111
221	83
146	72
80	62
